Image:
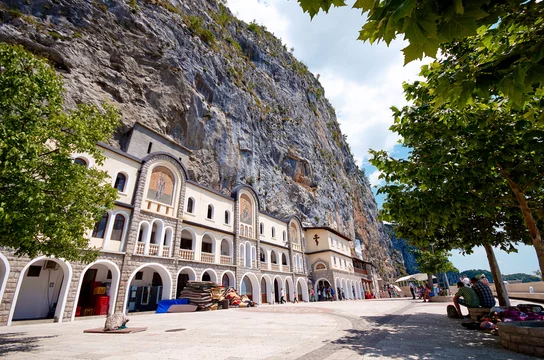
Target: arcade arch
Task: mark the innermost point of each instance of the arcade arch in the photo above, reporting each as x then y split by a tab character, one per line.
147	285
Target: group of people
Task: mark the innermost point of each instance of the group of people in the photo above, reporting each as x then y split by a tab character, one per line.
473	293
328	294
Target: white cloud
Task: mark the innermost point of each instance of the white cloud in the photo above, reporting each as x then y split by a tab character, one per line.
373	178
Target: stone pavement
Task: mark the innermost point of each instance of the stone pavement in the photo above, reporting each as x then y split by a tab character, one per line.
385	329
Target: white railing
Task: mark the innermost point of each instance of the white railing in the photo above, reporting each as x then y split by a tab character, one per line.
296	247
207	258
186	254
159	208
225	260
153	249
165	251
285	268
140	247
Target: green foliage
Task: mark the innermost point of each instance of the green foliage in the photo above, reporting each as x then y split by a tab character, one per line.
196	25
510	34
134	5
256	28
433	262
235	44
539	274
472	171
48	202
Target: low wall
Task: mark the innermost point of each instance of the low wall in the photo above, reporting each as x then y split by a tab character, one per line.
526	337
538	286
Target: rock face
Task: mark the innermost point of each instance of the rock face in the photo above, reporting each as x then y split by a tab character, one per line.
229	91
404	251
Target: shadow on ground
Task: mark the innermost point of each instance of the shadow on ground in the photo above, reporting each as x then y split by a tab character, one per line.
18	342
416	336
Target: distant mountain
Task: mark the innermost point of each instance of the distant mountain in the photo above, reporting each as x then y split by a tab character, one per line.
517	276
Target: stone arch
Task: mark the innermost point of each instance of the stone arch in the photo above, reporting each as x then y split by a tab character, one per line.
115	280
124	234
63	292
185	274
274	257
211	238
4	274
165	277
231	278
289	289
226	247
211	273
254	286
303	294
278	285
269	287
192	235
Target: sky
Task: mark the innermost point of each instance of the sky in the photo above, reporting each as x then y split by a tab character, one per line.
362	82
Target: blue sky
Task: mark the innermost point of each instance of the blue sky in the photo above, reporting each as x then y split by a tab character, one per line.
362	82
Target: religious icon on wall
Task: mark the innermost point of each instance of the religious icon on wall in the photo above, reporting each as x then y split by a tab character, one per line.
245	210
161	185
293	233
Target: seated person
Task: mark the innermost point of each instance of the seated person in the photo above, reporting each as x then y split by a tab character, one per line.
469	298
484	293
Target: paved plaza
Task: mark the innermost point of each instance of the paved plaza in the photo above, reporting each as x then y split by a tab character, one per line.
386	329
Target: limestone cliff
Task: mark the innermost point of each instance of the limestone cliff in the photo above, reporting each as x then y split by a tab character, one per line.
229	91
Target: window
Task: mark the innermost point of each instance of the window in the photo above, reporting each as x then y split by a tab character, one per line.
108	276
139	275
334	258
284	236
227	217
100	227
34	271
118	226
209	215
190	205
261	228
262	255
345	264
81	161
273	232
283	259
120	182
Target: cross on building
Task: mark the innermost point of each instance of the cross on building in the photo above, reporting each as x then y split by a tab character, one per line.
316	238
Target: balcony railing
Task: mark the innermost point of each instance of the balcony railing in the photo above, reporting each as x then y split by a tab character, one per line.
159	208
140	247
254	264
186	254
225	260
207	258
285	268
166	251
153	249
275	267
296	247
360	271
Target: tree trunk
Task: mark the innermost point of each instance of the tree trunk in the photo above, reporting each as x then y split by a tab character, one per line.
528	218
430	280
502	293
447	282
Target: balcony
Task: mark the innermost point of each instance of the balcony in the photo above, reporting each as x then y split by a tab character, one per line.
296	247
285	268
158	208
225	260
207	258
153	249
275	267
166	251
186	254
140	247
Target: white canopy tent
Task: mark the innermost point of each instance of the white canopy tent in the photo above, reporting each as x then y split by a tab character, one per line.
417	277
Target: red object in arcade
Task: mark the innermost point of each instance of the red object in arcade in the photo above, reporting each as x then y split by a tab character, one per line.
101	305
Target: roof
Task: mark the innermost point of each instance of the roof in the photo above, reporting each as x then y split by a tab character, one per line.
328	229
164	136
417	277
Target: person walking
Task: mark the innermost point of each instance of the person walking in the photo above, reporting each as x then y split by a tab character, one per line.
412	290
312	295
282	298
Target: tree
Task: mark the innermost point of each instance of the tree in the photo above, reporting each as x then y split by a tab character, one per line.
510	35
433	262
487	152
538	273
47	201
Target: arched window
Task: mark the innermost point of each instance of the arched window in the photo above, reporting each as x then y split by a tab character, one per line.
118	227
283	259
320	266
273	258
81	161
100	227
284	236
209	214
161	185
262	255
261	228
273	232
227	217
190	205
120	182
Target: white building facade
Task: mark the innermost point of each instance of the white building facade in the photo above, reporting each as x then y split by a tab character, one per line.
165	230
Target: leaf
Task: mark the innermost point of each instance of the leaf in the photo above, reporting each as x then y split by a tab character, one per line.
412	52
458	27
364	5
458	6
404	10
